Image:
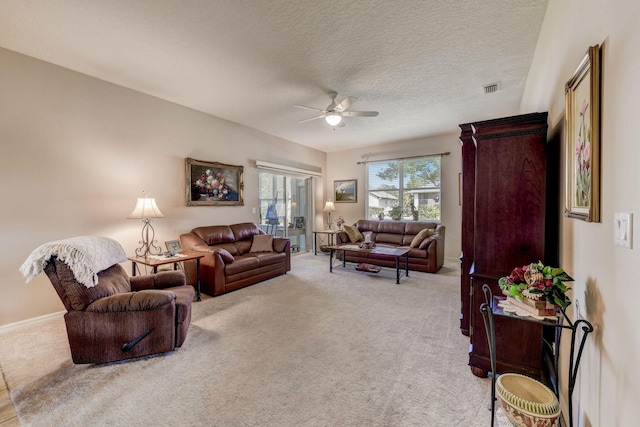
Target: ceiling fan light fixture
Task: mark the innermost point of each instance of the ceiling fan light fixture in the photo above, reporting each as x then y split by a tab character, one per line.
333	119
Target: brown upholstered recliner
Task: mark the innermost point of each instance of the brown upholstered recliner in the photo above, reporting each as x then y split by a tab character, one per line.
122	317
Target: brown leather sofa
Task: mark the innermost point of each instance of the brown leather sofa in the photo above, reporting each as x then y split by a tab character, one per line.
122	317
427	256
230	263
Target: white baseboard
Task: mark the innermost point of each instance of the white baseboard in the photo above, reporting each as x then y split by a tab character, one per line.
23	323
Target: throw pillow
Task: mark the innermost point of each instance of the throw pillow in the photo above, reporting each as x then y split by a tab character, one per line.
423	234
354	234
262	243
225	255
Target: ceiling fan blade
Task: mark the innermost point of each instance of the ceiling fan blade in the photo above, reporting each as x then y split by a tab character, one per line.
359	113
312	118
310	108
346	103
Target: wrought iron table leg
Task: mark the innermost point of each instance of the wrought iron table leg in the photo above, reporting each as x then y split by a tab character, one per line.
490	328
330	260
198	295
406	264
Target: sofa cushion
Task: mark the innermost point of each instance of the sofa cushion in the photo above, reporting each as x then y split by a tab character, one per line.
423	234
111	281
354	234
245	230
242	264
390	238
262	243
232	248
243	246
269	258
391	227
215	234
367	225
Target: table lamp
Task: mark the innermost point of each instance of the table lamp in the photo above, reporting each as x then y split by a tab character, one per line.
328	208
146	209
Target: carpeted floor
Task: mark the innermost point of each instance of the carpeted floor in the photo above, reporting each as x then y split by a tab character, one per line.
305	349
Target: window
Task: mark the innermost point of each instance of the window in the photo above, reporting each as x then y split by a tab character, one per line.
407	189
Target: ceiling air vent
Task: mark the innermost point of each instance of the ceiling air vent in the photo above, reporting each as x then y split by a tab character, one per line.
493	87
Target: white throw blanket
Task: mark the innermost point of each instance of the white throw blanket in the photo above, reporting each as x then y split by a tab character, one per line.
85	255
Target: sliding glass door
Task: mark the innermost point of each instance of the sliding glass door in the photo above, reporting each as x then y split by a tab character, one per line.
284	212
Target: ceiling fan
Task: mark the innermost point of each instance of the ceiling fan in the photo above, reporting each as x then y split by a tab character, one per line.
334	113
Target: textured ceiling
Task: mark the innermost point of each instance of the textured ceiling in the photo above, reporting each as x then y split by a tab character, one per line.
421	64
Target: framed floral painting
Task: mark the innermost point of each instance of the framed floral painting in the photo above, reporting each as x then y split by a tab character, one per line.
582	131
213	184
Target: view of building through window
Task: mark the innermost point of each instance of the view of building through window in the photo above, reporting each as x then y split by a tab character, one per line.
407	189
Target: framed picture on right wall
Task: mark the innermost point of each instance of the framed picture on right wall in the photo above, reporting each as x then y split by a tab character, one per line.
582	131
346	191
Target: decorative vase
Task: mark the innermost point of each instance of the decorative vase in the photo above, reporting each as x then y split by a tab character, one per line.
526	401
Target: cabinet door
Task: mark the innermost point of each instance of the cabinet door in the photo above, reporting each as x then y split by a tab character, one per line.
510	202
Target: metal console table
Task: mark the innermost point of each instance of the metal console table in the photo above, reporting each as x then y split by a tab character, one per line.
490	308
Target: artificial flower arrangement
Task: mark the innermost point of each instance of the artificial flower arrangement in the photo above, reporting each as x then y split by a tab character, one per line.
538	280
340	221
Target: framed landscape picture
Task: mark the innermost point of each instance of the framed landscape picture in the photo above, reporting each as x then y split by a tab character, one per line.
346	191
582	115
213	183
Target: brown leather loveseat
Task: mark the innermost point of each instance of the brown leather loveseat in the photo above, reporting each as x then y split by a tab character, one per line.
427	250
237	255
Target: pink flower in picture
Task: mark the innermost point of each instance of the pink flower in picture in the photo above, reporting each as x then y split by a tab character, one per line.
583	110
583	159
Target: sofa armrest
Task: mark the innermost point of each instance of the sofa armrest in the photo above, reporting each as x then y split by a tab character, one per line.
203	248
434	245
342	237
281	244
190	242
160	280
132	301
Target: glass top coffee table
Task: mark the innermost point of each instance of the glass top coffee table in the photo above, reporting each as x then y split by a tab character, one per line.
392	253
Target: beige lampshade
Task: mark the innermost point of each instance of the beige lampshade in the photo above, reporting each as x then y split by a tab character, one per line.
146	207
329	206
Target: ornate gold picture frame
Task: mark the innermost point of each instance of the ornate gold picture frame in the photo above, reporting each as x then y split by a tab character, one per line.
582	131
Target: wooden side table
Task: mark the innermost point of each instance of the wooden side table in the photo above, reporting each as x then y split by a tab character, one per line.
162	260
330	233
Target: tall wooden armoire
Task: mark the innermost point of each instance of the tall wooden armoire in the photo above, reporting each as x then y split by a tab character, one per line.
503	227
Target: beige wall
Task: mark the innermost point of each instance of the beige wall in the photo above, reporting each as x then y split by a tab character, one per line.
76	152
344	165
606	275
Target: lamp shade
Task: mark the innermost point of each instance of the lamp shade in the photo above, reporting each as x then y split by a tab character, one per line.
333	119
146	207
329	206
